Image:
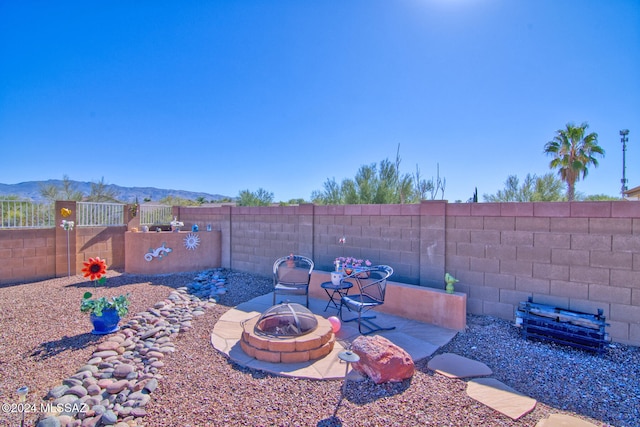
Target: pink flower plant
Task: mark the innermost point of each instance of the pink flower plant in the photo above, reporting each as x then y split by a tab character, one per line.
352	262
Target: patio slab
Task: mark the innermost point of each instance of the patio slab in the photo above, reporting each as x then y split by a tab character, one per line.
562	420
500	397
455	366
419	339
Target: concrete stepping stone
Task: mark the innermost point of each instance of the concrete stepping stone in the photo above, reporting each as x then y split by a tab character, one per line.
455	366
561	420
500	397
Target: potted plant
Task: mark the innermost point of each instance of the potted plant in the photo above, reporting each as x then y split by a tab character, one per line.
105	313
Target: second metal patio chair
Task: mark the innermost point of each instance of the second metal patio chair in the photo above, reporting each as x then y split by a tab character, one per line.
372	290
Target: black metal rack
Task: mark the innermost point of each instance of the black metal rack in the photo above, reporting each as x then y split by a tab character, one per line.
573	328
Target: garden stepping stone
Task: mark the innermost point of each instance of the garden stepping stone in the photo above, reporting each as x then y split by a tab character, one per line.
500	397
561	420
455	366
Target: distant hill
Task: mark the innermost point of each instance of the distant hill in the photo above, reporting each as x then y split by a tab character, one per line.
30	190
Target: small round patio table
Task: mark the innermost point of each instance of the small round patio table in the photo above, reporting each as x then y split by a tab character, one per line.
336	292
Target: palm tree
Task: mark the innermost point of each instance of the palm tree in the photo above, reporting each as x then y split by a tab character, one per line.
573	153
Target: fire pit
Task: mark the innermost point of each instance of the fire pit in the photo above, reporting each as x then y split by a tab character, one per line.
286	320
287	333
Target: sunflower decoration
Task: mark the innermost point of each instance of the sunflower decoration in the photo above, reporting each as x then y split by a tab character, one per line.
95	269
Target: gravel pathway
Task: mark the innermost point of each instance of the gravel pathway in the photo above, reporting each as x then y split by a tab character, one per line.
44	339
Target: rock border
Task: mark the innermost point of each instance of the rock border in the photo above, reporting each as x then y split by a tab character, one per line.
114	386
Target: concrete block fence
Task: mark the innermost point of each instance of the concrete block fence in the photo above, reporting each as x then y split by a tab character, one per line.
42	253
579	255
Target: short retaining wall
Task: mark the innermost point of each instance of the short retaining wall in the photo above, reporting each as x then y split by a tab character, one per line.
433	306
140	248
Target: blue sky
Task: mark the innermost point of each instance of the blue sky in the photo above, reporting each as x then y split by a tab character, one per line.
223	96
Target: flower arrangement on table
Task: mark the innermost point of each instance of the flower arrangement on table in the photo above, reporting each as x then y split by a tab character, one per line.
349	264
96	269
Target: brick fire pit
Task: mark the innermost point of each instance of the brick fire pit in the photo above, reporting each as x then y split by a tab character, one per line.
313	345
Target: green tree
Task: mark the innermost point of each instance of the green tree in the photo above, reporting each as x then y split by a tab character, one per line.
177	201
601	197
261	197
68	191
546	188
296	201
379	184
101	192
573	151
330	195
429	188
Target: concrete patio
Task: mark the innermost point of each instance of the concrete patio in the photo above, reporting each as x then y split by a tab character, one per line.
419	339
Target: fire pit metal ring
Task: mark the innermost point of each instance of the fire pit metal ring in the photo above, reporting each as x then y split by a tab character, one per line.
286	320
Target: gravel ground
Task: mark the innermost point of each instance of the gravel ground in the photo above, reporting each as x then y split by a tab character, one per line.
44	338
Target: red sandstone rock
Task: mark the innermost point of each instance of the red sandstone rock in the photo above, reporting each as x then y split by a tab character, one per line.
381	360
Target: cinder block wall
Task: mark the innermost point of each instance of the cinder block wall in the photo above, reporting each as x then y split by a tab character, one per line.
384	234
260	235
27	255
104	242
581	256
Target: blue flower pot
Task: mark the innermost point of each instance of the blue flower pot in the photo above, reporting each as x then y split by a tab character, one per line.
105	324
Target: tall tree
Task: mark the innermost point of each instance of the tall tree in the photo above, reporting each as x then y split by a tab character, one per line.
101	192
330	195
573	151
261	197
381	183
176	201
67	192
547	188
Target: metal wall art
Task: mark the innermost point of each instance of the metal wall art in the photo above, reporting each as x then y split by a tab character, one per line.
192	241
159	253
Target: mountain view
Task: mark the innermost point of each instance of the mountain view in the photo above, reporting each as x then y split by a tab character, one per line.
30	190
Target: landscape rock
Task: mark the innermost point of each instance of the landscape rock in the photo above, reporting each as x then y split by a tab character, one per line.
66	420
108	345
66	399
58	391
77	390
89	367
109	417
151	385
49	422
92	421
381	360
117	387
123	370
94	389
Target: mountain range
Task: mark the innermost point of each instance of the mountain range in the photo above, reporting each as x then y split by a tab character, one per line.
30	190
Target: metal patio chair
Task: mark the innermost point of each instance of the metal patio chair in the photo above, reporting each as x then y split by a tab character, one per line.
291	276
372	286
